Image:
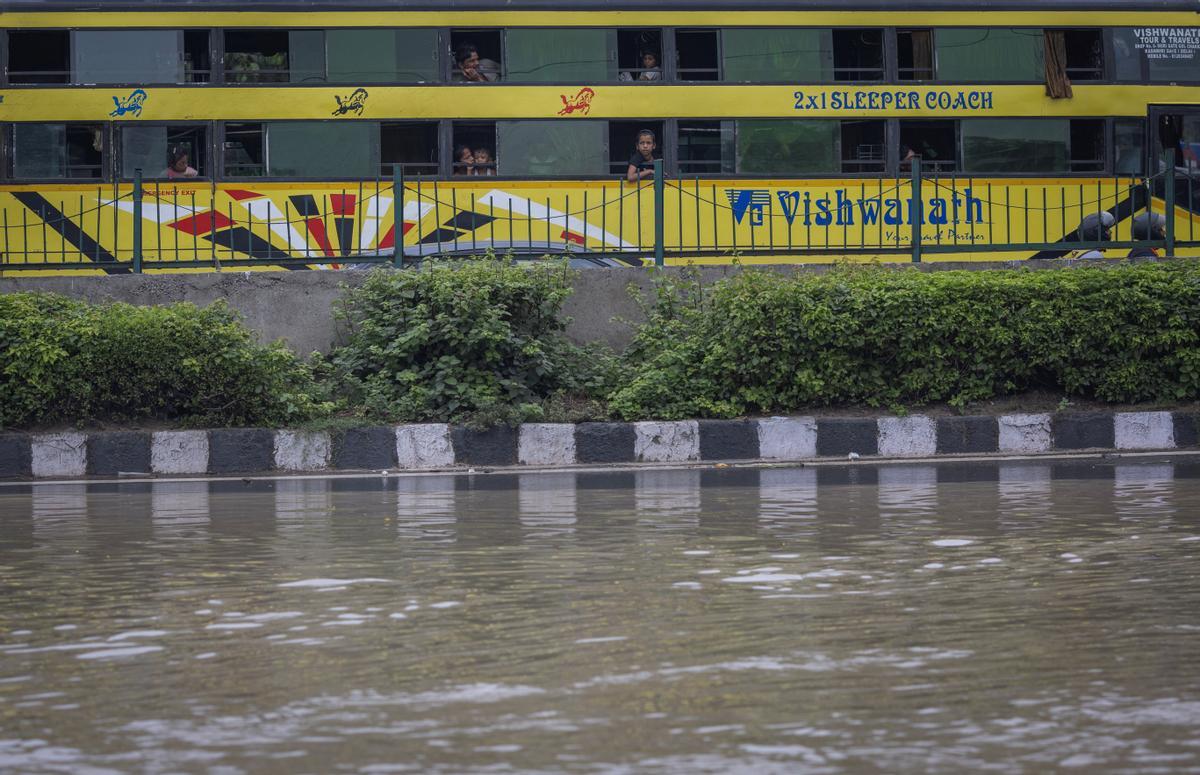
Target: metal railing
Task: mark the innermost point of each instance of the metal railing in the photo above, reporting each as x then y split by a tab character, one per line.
181	224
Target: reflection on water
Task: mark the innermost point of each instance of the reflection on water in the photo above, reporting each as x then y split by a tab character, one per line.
879	618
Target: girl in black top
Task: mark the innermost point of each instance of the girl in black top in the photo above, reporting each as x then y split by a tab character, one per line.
641	164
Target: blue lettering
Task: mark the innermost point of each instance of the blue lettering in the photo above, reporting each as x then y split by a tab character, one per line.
824	216
835	100
931	100
937	214
987	101
974	208
870	211
845	210
892	216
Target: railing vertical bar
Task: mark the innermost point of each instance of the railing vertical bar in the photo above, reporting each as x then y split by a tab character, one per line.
1169	204
659	215
915	215
454	216
474	236
137	221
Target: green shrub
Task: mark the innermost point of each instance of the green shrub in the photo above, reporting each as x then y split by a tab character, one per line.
67	361
761	342
480	341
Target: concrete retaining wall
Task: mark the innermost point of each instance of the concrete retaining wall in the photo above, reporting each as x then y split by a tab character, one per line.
297	306
437	446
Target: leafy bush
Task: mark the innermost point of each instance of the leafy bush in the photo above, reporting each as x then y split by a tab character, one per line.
480	342
761	342
67	361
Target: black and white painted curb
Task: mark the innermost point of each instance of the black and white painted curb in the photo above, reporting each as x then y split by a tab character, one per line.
435	445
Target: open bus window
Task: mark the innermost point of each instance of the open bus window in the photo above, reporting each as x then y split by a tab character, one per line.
411	144
697	55
705	147
544	148
1087	145
914	55
478	56
242	151
1129	146
622	143
473	139
57	151
404	55
858	55
863	146
197	61
777	55
639	55
1155	55
274	56
778	147
1085	55
557	55
933	141
170	152
39	56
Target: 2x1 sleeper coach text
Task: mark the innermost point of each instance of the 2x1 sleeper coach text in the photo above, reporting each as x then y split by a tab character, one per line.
865	99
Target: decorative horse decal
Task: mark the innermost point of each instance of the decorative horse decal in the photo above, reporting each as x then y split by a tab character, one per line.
131	104
581	103
355	102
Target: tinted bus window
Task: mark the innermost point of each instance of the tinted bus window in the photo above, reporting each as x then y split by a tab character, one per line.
552	148
795	147
164	151
561	55
996	54
57	151
128	56
1129	146
1157	54
1015	145
382	56
768	55
322	149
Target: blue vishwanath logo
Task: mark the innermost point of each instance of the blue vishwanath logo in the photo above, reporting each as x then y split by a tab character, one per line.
131	104
839	209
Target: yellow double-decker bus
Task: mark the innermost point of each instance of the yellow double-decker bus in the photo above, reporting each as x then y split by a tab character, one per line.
324	133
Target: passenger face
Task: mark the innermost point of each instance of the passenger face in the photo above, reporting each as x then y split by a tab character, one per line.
482	156
181	164
645	145
466	155
471	62
649	60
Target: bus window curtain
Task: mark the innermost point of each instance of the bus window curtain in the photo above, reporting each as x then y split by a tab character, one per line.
1058	85
922	54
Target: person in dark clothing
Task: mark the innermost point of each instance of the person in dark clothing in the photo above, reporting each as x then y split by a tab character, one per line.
641	163
1147	226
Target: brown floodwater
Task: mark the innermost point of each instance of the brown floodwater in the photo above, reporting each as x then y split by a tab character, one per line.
1017	617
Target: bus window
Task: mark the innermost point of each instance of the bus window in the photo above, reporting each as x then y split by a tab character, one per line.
567	55
777	55
914	55
705	147
127	56
1156	55
858	55
639	55
1085	55
242	151
411	144
539	148
470	138
39	56
1015	145
933	141
1087	145
622	142
863	146
773	147
976	55
176	151
696	57
197	61
57	151
1129	146
382	56
322	149
477	56
274	56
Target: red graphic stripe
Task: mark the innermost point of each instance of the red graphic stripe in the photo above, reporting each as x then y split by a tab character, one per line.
201	223
316	230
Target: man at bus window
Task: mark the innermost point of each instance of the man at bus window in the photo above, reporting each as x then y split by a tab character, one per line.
650	70
1147	226
177	164
470	67
641	163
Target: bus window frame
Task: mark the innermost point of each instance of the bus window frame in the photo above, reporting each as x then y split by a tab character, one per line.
209	147
107	157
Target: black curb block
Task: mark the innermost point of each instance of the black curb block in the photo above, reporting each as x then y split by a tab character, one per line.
16	455
371	448
1083	430
728	440
240	450
960	435
604	442
838	437
113	452
1186	428
494	447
